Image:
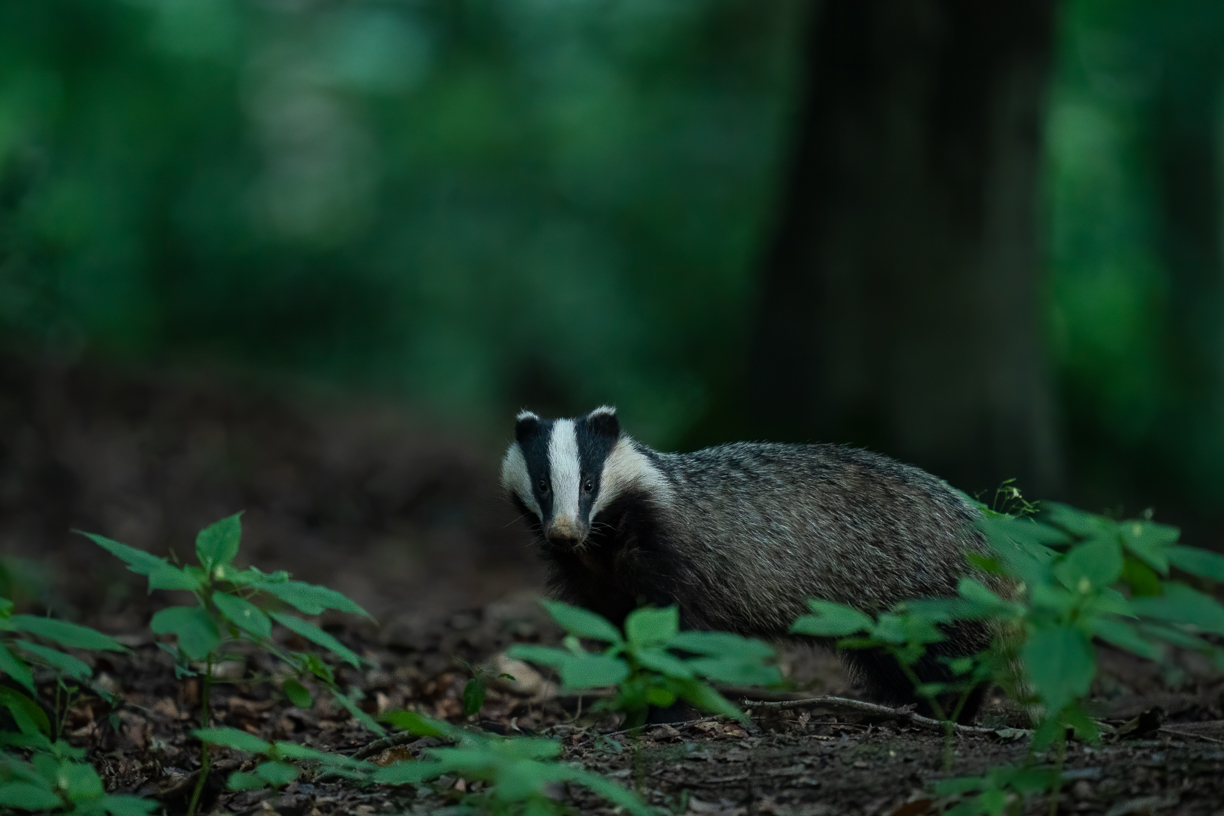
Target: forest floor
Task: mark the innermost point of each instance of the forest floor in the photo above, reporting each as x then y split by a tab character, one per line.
410	524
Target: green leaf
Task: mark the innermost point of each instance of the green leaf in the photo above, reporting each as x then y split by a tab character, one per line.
589	671
243	614
1141	578
233	738
217	544
705	697
309	598
408	773
1181	604
663	663
1149	542
138	561
297	693
733	670
28	715
1124	636
276	774
241	781
66	634
66	663
544	655
606	788
124	805
197	632
1203	563
317	636
25	796
473	696
1060	664
16	668
721	644
171	577
581	622
419	724
652	627
1097	561
830	619
357	714
80	781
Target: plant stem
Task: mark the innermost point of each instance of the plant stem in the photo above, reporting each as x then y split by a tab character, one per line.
1062	757
205	717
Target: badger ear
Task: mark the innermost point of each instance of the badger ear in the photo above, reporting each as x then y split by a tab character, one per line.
525	425
603	421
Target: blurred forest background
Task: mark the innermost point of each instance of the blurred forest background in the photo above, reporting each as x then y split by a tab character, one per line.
984	240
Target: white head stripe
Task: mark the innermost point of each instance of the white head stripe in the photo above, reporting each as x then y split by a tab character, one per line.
603	409
525	414
627	469
566	469
516	479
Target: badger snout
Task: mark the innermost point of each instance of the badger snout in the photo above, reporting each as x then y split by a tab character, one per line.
564	532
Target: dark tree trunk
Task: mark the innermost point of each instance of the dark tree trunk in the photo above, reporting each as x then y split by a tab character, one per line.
900	307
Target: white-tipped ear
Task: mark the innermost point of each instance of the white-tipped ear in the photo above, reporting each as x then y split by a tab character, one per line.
606	410
525	414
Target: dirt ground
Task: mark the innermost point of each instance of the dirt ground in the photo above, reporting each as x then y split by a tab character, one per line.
410	523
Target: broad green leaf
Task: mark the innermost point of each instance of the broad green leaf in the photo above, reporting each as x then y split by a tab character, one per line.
531	747
31	720
831	620
277	774
589	671
138	561
663	663
66	634
419	724
1060	664
66	663
582	622
1149	541
721	644
233	738
357	714
297	693
170	577
243	614
197	632
652	627
241	781
1078	522
1124	636
1098	562
473	696
80	781
217	544
705	697
309	598
1175	636
16	668
26	796
125	805
1181	604
1141	578
740	672
544	655
317	636
981	601
1203	563
408	773
606	788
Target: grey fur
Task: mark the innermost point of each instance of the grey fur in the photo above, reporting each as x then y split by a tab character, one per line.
741	535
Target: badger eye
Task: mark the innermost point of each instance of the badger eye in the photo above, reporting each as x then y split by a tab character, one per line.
543	485
588	486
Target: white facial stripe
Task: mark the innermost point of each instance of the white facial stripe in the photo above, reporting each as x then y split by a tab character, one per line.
566	469
628	469
603	409
516	479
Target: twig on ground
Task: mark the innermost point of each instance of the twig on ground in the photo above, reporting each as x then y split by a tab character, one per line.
846	704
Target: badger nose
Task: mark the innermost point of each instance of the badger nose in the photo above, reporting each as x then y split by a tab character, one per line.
563	532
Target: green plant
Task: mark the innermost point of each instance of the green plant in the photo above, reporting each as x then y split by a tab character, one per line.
653	663
240	606
998	789
38	770
282	760
514	773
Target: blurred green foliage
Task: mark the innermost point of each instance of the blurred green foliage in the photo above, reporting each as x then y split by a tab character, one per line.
465	203
475	205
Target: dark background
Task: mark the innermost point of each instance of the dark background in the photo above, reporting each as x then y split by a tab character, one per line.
309	257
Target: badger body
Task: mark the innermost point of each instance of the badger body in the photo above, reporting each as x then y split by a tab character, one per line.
740	536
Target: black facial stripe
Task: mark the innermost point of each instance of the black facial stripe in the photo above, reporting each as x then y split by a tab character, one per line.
534	444
593	450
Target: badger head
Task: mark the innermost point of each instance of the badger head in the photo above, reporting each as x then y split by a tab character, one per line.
565	471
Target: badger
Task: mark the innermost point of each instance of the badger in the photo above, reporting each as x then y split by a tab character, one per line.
741	535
